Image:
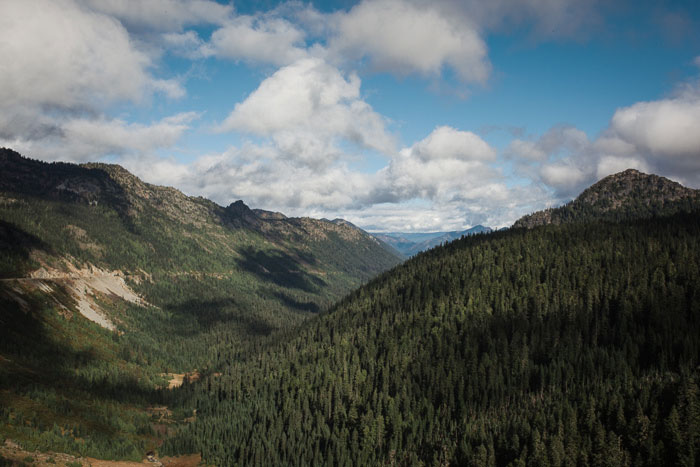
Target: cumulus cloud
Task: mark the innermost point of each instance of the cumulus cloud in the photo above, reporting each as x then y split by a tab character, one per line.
258	39
55	53
306	107
655	136
665	129
427	186
448	143
406	37
556	140
61	60
83	139
398	36
187	44
561	158
659	136
162	15
564	176
444	165
529	150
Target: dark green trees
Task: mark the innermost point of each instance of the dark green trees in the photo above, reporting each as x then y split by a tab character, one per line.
562	345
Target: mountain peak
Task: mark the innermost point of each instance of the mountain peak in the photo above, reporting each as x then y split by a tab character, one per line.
630	185
238	206
628	194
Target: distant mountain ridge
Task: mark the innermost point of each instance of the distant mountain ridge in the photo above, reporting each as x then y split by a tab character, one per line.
630	194
412	243
62	216
98	183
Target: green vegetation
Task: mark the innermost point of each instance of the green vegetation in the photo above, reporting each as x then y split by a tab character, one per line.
64	387
573	343
213	278
562	345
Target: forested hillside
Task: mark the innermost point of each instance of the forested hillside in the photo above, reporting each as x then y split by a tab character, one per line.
168	277
572	344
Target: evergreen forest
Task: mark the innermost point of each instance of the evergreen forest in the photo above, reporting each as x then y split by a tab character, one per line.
561	345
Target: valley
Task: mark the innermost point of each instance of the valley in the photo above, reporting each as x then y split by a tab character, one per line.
409	244
137	319
108	284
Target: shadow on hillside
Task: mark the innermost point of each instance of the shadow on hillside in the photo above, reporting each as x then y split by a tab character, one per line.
279	268
34	361
60	181
305	257
197	316
295	304
16	245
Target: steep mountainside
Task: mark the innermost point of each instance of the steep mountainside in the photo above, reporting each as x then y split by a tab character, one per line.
626	195
409	244
572	344
102	215
162	279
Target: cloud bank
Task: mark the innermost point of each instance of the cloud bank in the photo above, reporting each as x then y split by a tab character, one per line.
655	136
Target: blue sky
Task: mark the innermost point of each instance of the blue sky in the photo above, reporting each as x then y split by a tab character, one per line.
398	115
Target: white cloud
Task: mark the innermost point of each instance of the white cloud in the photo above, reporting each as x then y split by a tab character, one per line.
60	60
409	177
659	136
444	165
258	39
557	140
529	150
55	53
667	127
404	37
96	138
83	140
310	104
448	143
564	176
561	158
162	15
187	44
419	189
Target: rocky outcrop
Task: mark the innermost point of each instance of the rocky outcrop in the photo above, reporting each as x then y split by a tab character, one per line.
626	195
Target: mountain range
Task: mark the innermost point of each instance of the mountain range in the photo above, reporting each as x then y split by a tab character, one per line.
160	276
412	243
569	339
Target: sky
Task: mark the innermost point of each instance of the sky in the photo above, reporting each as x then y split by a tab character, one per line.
397	115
